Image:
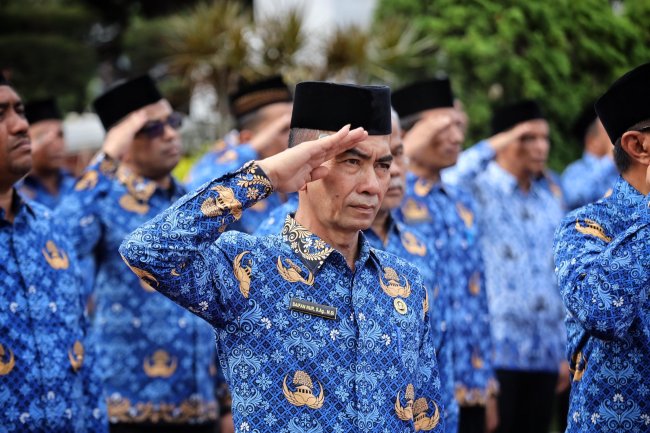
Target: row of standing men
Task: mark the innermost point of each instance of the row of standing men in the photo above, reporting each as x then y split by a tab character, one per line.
478	229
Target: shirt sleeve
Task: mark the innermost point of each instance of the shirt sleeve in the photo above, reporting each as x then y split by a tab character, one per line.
603	280
584	183
175	252
471	162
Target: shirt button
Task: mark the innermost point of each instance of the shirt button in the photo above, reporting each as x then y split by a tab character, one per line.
31	290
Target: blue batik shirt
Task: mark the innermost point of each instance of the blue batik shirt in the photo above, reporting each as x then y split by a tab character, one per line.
306	343
48	376
31	188
446	216
602	252
516	241
224	159
588	179
407	243
157	359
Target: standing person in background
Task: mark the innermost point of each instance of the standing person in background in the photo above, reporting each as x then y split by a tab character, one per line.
594	175
48	377
157	360
602	252
262	112
446	215
321	332
47	182
517	216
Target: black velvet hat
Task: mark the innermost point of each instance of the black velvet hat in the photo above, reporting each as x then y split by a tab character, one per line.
508	116
423	95
253	96
329	107
44	109
625	103
125	98
583	122
3	80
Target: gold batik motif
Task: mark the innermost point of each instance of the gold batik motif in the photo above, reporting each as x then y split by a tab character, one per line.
225	203
139	191
465	214
578	370
293	273
87	181
6	365
393	288
422	187
592	228
76	356
304	393
312	250
145	276
415	211
243	273
405	413
56	258
195	411
413	245
160	364
421	420
475	284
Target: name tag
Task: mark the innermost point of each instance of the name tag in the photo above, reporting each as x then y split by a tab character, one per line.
324	311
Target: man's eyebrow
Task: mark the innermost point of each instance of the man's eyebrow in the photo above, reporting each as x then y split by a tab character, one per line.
387	158
357	153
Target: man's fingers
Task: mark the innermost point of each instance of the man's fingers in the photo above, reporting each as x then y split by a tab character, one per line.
319	173
339	142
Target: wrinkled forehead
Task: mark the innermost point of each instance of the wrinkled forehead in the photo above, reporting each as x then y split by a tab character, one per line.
376	146
9	96
158	110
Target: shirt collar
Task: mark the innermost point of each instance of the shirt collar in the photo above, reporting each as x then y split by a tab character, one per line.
18	203
626	194
142	188
312	250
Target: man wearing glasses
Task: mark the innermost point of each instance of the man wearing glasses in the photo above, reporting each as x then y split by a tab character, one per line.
156	358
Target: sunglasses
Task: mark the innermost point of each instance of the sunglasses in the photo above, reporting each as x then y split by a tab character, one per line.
156	128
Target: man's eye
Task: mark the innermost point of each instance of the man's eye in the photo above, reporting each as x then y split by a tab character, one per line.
384	165
352	161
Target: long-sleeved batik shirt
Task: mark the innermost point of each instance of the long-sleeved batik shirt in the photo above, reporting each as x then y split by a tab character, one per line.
32	189
157	359
446	216
409	244
306	342
588	179
48	376
516	241
224	159
601	254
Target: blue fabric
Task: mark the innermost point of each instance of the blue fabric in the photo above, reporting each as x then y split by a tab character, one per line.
48	375
516	241
369	369
157	359
228	158
447	216
31	188
601	256
588	179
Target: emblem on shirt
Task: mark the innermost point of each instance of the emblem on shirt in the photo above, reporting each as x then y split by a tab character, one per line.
223	204
160	364
139	191
243	273
6	365
477	362
465	214
413	245
405	413
227	156
293	273
394	288
132	204
304	393
76	356
55	257
415	211
422	187
87	181
475	284
592	228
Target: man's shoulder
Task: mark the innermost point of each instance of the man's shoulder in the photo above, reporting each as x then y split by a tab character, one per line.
396	263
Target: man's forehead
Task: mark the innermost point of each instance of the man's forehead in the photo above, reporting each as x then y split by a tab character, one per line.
377	145
9	95
157	110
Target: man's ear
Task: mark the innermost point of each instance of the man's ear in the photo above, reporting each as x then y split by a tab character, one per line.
245	135
637	145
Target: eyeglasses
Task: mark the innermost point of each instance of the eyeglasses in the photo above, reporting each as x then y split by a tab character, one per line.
156	128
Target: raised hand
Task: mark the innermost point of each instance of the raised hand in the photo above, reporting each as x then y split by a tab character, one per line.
119	137
293	168
503	139
266	139
423	133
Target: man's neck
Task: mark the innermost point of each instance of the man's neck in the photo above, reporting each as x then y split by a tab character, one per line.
522	177
51	180
380	225
425	172
635	176
6	202
346	243
164	182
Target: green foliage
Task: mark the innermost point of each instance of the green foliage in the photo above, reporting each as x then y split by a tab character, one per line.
563	53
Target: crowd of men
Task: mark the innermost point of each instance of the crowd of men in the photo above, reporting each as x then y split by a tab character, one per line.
340	264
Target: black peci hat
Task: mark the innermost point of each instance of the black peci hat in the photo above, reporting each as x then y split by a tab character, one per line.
253	96
508	116
625	104
329	107
44	109
125	98
3	80
423	95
